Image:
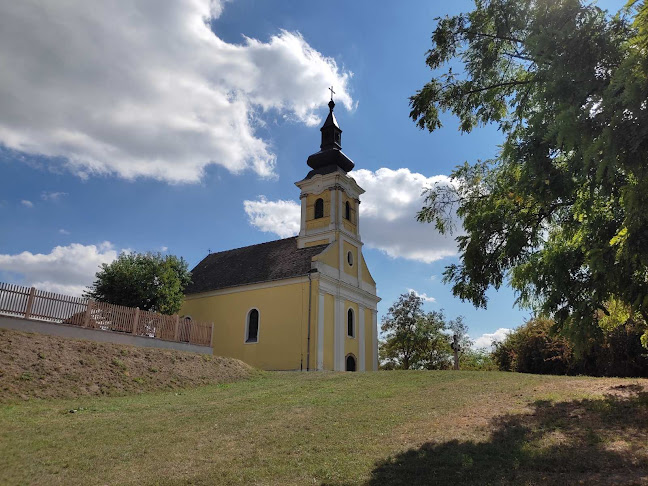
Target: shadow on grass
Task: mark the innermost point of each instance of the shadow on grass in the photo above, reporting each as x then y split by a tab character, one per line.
597	441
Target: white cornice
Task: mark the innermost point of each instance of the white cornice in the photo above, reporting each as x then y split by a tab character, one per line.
320	182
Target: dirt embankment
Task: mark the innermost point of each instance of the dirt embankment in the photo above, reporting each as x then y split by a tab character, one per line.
39	366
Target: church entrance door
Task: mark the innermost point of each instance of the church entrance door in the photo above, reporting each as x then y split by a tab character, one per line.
350	363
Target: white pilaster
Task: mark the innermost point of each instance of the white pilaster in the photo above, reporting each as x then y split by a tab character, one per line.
338	337
358	218
340	209
361	338
374	332
333	204
320	333
304	208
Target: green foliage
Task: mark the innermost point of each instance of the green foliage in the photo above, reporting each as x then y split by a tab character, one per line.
477	360
535	347
416	339
149	281
561	210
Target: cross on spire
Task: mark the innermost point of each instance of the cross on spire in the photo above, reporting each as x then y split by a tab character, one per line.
332	92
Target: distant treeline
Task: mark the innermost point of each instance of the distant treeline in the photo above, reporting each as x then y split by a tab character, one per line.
536	348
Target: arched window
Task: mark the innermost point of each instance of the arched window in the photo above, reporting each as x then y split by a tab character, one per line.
347	211
350	363
350	323
252	327
319	208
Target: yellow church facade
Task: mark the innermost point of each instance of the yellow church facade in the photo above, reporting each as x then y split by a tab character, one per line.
302	303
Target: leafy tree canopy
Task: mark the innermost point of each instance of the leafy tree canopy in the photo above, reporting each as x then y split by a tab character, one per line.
149	281
561	211
416	339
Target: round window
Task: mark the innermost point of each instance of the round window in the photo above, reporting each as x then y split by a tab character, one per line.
350	258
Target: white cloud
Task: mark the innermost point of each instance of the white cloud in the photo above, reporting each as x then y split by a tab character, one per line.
486	340
52	196
66	269
146	89
423	296
164	249
279	217
64	232
387	215
27	204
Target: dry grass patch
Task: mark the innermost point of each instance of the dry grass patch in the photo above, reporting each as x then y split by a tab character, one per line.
39	366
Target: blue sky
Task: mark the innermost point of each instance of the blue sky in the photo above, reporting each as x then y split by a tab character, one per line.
139	129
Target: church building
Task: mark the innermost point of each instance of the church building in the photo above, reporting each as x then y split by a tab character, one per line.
301	303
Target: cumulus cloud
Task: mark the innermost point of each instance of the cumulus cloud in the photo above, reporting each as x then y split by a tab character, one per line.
66	269
423	296
279	217
486	340
146	89
27	204
387	211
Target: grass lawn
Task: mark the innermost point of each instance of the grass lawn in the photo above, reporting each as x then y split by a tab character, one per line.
339	428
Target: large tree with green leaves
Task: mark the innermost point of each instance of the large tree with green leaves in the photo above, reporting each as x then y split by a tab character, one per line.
562	211
415	339
149	281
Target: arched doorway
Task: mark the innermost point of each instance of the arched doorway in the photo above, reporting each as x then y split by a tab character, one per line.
350	363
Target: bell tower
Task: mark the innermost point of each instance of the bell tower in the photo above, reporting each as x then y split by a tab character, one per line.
346	312
330	198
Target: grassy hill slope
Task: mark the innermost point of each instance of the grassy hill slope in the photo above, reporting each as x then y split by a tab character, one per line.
39	366
339	428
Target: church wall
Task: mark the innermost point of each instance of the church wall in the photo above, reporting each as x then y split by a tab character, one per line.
368	340
283	319
311	222
366	276
329	330
315	243
311	363
350	225
348	269
351	343
330	256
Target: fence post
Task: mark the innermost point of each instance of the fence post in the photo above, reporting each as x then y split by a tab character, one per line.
211	340
30	302
176	335
135	321
86	320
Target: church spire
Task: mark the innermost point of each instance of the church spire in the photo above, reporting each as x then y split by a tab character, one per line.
331	132
330	155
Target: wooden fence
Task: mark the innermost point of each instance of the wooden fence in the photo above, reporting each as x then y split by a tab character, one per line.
30	303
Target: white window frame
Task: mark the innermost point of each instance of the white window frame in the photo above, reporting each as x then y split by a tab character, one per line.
247	325
350	259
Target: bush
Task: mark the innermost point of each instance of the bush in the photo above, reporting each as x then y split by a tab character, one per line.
536	348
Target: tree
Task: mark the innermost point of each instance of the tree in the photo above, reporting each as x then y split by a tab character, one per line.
416	339
534	348
560	212
149	281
